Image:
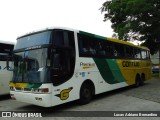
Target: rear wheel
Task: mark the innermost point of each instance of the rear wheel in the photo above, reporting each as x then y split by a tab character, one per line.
143	78
85	94
137	81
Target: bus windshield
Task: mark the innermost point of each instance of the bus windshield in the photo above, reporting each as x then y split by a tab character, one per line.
30	66
41	38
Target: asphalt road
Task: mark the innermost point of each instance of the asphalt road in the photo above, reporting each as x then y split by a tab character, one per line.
145	98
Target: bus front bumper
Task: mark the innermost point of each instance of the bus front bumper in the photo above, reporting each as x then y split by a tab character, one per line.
43	100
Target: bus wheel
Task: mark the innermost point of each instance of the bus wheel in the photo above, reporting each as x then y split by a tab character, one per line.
85	94
137	81
142	79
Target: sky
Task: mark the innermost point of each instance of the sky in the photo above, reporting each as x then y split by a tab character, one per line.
18	17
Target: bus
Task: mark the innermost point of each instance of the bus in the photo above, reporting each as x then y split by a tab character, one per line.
58	65
6	49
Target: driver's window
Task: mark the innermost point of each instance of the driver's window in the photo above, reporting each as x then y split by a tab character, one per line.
56	61
59	63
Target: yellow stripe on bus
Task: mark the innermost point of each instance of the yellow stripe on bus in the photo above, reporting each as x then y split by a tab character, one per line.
21	85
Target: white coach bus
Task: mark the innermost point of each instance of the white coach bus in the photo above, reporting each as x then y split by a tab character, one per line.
58	65
5	75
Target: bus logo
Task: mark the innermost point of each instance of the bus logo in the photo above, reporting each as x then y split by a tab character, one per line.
87	65
64	94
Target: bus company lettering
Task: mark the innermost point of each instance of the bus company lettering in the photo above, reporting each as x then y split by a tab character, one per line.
87	65
34	47
130	64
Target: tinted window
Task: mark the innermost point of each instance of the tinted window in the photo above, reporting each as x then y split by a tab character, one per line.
129	52
5	50
93	47
137	53
119	51
90	46
33	40
63	56
3	57
58	38
62	38
109	49
145	54
87	45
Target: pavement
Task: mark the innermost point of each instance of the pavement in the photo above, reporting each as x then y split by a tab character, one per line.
149	91
143	98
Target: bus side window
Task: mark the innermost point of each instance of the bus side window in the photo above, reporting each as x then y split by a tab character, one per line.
56	61
109	50
58	38
137	53
148	55
144	54
119	51
80	44
83	43
101	49
92	47
129	52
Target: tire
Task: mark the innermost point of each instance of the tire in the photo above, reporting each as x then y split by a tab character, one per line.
137	81
85	94
142	80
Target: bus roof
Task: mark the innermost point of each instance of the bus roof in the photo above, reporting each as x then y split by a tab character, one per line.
87	33
45	29
7	42
126	43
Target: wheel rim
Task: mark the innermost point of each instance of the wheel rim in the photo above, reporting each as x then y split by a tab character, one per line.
86	93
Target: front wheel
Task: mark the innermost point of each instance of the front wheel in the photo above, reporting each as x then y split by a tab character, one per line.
85	94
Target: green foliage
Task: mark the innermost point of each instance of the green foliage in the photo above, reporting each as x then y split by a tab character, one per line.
135	19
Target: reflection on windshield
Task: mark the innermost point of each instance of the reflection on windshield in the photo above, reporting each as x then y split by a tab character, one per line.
30	66
41	38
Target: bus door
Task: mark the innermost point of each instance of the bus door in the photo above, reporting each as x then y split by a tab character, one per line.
62	56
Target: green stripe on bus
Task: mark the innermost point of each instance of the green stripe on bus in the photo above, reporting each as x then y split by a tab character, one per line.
115	70
105	71
100	37
93	35
109	70
85	33
33	85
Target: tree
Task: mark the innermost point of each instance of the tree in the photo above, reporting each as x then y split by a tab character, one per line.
135	19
